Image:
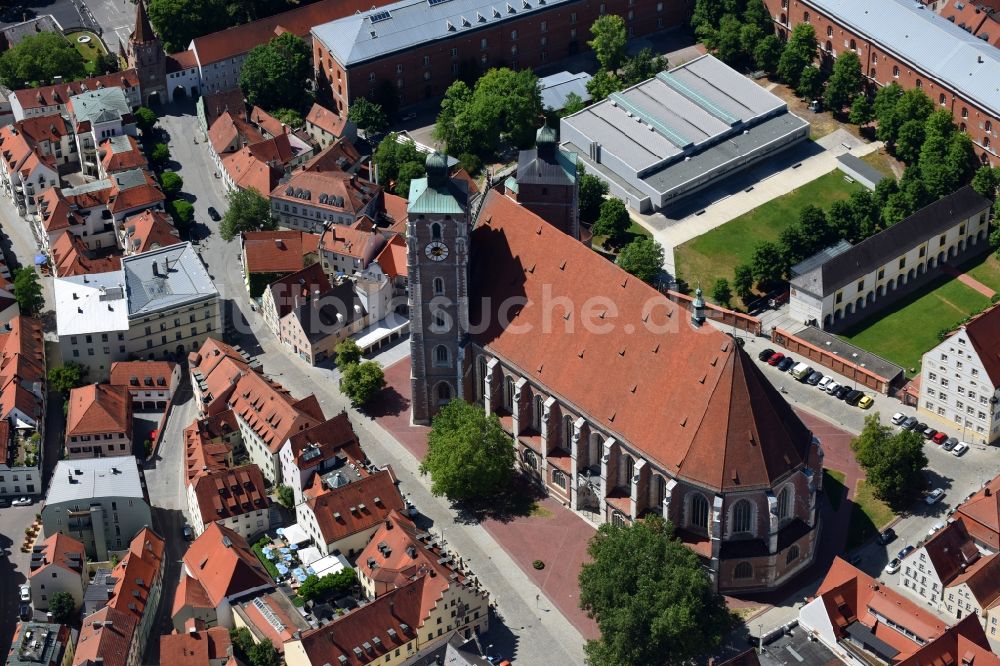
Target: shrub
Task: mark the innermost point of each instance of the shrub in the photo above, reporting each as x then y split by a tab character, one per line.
538	564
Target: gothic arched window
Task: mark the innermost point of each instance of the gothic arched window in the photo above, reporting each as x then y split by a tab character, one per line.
436	231
784	503
741	517
508	394
699	511
438	286
743	570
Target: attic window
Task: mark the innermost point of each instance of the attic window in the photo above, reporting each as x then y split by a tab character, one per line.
656	349
562	266
540	367
621	352
625	282
634	387
580	353
539	231
612	417
715	359
684	421
701	380
725	346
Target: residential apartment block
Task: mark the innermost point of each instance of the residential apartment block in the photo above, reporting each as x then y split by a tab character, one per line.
835	289
960	379
197	645
99	422
271	255
314	453
235	497
23	396
57	565
150	384
41	644
316	196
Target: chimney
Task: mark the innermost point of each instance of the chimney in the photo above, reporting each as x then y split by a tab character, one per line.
156	268
986	493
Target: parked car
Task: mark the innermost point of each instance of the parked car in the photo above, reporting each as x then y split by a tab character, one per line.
887	536
765	355
935	528
801	371
929	432
814	378
898	418
21	501
853	397
939	438
188	533
776	358
905	551
785	364
920	428
214	214
892	567
950	444
842	392
909	423
824	383
24	612
832	388
934	496
866	402
960	449
25	592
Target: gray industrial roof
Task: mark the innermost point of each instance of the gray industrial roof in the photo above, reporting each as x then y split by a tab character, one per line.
681	113
555	88
820	258
164	278
100	106
931	43
89	478
405	24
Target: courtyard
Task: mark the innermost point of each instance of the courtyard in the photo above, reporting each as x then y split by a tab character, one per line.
715	254
906	330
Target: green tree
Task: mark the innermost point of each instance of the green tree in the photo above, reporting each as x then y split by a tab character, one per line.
643	258
885	188
814	229
893	462
171	183
721	292
145	118
642	66
810	83
37	59
177	22
910	105
456	98
316	589
368	116
28	291
469	456
592	191
650	596
706	13
960	161
361	381
613	221
884	106
159	155
391	154
768	264
750	36
727	42
107	63
841	221
792	244
275	74
602	84
182	212
756	15
862	111
291	117
986	181
845	83
609	41
767	53
743	282
348	353
62	605
909	141
470	162
512	102
894	209
242	641
248	211
264	654
286	496
66	377
865	212
407	172
798	54
574	104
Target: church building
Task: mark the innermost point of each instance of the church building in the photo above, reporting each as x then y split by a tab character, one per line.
620	402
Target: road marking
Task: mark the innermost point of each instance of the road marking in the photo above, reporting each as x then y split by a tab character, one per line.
794	653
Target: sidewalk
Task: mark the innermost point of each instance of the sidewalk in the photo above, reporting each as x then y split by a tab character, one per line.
968	280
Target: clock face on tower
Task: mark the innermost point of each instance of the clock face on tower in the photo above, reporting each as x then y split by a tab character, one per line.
436	251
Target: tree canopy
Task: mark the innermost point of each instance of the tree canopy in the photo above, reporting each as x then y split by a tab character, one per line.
315	588
469	456
62	605
398	162
286	496
177	22
722	293
609	41
274	75
651	597
810	83
613	221
368	116
502	109
171	183
736	30
248	211
845	83
348	352
182	212
592	191
66	377
145	118
643	258
28	291
893	461
37	59
743	282
799	53
361	381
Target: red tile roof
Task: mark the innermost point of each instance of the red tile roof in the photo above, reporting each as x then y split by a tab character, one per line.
146	195
226	493
98	409
329	438
296	288
143	31
267	122
197	646
951	552
159	372
240	39
124	160
326	120
289	621
350	242
392	258
983	332
71	257
383	618
258	166
218	103
106	636
983	579
224	570
22	364
380	485
965	644
211	354
56	551
727	426
336	191
190	594
202	452
34	98
136	573
269	410
178	62
394	208
341	155
51	128
281	251
981	514
149	230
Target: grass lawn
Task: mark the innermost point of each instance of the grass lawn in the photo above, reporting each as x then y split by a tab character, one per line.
833	486
704	259
986	270
909	328
868	517
89	50
635	230
880	161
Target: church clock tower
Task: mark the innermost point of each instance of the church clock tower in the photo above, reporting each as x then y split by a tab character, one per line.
438	268
146	56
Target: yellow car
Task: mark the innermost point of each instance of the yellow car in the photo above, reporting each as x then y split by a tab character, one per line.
866	402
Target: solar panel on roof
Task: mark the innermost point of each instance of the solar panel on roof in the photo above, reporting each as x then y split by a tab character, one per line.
379	16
